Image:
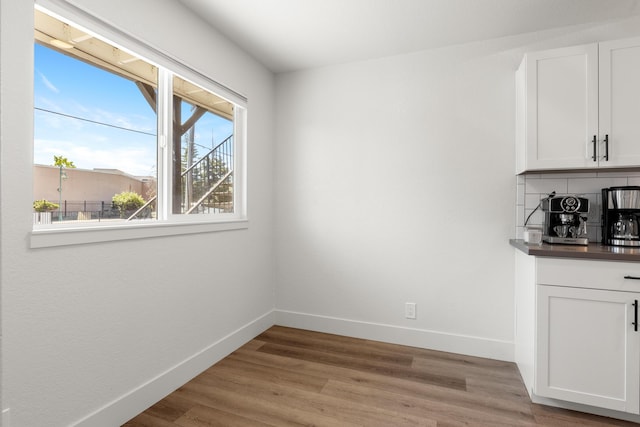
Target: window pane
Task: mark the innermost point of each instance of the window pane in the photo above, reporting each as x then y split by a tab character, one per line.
203	151
95	145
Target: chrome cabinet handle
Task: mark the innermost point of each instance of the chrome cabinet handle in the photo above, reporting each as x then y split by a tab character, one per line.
595	146
635	316
606	147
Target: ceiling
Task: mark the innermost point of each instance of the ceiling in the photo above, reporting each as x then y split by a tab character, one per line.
288	35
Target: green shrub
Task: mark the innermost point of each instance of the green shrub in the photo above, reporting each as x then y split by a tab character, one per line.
127	201
44	206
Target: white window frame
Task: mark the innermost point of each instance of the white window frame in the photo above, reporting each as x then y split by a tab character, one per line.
167	224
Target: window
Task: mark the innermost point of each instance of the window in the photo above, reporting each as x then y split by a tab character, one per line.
204	181
120	140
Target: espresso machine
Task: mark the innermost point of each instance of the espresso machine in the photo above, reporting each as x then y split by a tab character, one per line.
565	220
620	214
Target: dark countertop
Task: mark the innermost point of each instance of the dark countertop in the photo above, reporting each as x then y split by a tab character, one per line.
593	251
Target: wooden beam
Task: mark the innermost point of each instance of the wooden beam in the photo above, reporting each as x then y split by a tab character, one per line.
193	119
149	95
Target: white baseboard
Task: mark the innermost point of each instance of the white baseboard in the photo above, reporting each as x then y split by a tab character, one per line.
134	402
462	344
130	404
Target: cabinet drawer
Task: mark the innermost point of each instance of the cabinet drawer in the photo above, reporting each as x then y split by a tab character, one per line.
588	274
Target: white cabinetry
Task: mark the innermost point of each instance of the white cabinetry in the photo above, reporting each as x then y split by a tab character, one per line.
588	351
558	104
577	107
577	339
619	101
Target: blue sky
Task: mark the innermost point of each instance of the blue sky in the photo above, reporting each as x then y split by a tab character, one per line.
68	86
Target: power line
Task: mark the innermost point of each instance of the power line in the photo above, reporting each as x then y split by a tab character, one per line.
93	121
103	124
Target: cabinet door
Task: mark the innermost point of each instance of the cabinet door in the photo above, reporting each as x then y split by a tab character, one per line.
562	108
588	349
620	102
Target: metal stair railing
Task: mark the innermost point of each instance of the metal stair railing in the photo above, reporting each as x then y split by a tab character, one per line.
208	174
212	170
142	208
209	192
206	156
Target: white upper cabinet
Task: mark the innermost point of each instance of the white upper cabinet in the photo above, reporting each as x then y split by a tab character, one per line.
559	107
620	102
579	107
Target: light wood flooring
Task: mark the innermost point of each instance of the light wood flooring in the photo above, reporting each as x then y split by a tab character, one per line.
292	377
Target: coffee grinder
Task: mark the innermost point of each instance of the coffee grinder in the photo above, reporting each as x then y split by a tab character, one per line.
565	220
620	214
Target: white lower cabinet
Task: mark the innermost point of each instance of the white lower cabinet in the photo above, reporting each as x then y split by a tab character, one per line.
577	342
588	347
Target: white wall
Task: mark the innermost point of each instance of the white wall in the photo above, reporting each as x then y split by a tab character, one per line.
85	327
395	183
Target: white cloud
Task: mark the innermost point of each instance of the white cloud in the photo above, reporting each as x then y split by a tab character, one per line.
134	160
48	84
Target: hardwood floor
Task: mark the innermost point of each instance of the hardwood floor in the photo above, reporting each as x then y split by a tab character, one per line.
287	377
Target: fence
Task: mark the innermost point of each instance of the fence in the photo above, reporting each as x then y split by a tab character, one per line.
85	210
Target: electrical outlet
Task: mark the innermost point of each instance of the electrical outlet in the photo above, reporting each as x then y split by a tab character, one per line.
410	310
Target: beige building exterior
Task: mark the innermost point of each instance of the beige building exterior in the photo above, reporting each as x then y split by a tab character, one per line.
96	185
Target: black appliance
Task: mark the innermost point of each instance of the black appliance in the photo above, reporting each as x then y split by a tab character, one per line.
620	215
565	220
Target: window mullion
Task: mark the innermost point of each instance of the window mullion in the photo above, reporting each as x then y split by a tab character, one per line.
165	132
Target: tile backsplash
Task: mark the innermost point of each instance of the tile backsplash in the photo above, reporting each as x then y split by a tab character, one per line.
531	188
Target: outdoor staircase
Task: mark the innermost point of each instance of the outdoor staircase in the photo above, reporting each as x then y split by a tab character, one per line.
206	184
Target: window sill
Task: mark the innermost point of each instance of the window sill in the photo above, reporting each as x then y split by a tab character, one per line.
51	237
